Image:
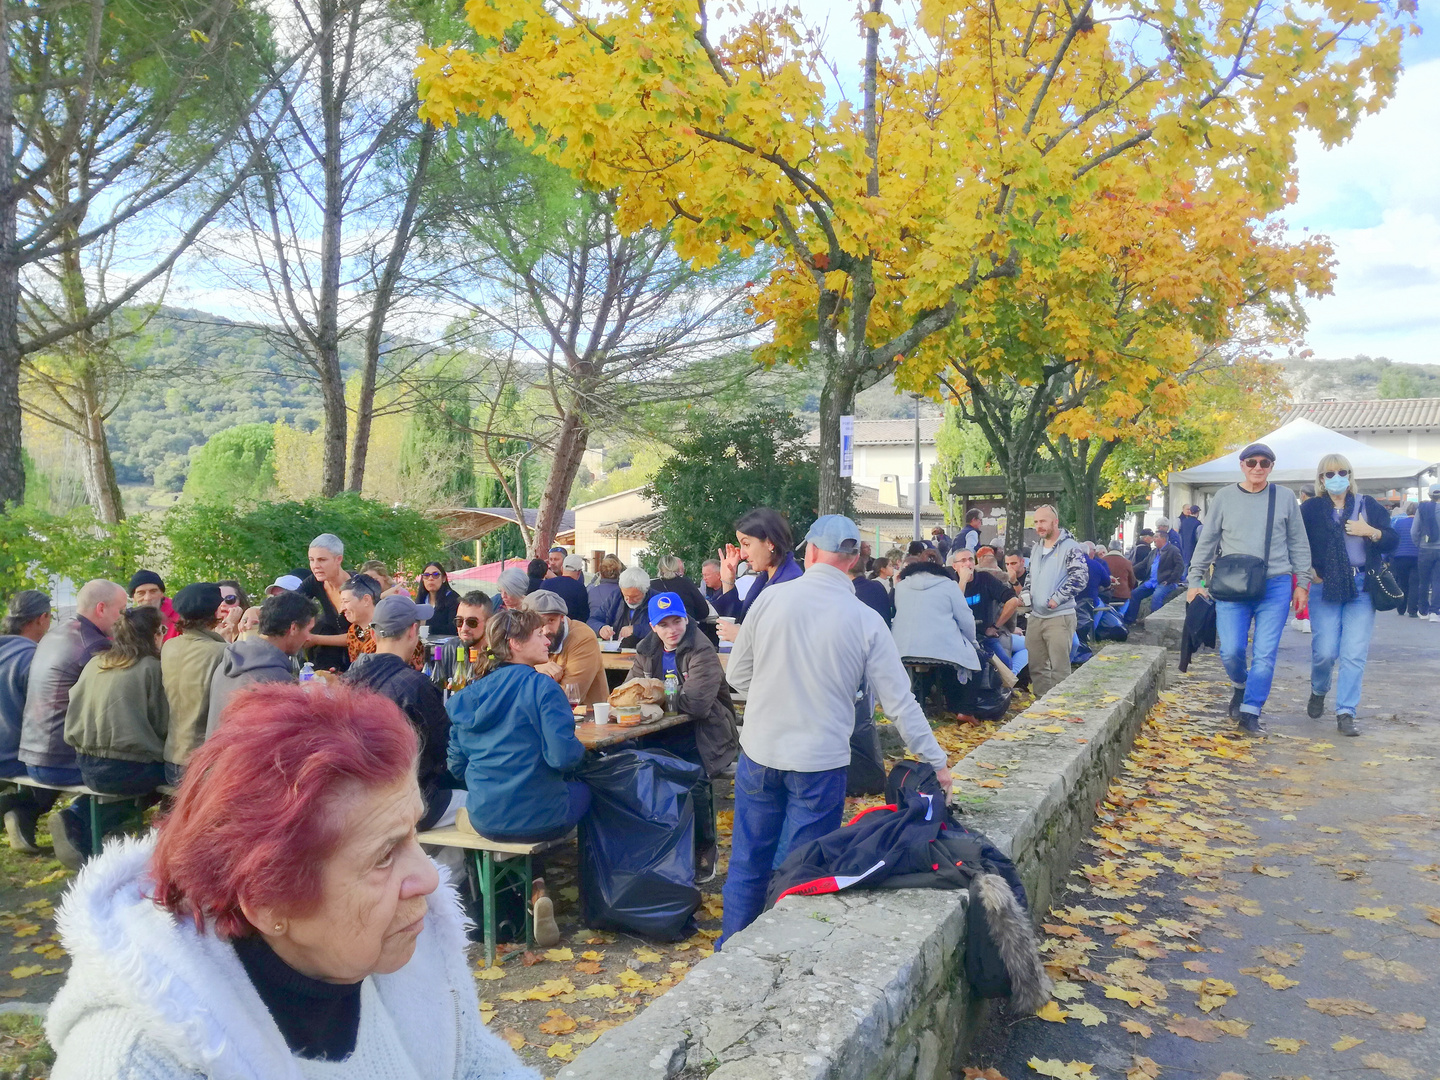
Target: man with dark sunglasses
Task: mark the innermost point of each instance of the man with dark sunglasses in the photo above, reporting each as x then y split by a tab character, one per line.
471	616
1236	526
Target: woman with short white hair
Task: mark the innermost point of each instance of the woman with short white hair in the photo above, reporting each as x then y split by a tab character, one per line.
328	646
1348	534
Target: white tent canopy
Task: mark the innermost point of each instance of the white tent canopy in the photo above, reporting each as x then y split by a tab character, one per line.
1299	446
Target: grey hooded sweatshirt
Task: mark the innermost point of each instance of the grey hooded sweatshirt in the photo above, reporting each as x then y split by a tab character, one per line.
249	660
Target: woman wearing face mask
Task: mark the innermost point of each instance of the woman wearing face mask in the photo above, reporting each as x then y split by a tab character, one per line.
764	540
1348	533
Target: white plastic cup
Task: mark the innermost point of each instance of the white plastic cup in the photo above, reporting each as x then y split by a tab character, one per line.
725	618
602	712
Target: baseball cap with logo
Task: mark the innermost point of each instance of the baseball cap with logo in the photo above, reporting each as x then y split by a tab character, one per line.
834	533
665	604
396	614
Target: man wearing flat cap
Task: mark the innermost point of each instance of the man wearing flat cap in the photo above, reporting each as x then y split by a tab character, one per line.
1237	531
575	658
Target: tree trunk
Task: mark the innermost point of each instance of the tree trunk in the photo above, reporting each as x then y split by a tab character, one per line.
569	451
12	466
837	397
380	307
1015	506
97	466
327	328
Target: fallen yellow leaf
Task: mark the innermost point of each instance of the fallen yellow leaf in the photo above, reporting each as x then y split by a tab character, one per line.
513	1037
1053	1013
563	1051
559	1022
1349	1042
592	955
1130	997
648	956
1287	1046
1277	981
1142	1068
1135	1027
1375	914
1397	1068
1088	1014
489	974
599	990
1054	1067
25	971
559	955
1067	991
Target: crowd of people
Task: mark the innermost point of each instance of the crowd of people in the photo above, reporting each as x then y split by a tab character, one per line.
288	797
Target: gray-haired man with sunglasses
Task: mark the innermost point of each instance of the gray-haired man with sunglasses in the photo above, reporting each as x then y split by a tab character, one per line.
1237	527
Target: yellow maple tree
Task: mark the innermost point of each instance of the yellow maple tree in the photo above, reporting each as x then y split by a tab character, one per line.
977	126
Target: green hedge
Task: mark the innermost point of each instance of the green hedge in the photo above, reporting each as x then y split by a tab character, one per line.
255	545
37	547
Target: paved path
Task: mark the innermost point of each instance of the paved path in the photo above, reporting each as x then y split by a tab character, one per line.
1304	867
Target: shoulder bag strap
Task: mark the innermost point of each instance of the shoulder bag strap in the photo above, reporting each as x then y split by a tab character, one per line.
1269	526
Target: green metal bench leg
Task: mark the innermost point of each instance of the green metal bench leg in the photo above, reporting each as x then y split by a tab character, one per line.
487	904
97	838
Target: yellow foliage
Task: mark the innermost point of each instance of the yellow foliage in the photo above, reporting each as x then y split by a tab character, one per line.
1041	187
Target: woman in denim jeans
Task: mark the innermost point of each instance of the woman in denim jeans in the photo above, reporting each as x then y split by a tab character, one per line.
1348	532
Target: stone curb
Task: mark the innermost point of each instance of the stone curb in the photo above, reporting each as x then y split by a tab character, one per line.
1163	627
868	985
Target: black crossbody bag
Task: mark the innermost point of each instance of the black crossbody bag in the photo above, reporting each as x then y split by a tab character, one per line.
1242	577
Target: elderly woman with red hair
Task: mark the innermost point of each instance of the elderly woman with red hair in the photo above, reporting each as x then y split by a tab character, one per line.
281	921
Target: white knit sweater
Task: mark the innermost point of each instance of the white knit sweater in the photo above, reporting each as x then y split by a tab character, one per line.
151	998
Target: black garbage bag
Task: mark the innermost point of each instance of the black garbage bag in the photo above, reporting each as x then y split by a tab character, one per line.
988	696
637	844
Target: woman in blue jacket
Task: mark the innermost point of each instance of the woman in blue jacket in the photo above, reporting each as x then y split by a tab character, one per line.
1348	534
512	739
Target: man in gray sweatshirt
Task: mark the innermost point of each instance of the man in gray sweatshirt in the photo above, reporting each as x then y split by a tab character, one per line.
1058	574
1236	526
285	622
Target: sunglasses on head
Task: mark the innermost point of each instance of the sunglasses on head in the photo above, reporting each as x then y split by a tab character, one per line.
1329	473
1257	463
469	622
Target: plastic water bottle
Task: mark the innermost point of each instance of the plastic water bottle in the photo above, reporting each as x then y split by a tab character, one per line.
307	673
672	693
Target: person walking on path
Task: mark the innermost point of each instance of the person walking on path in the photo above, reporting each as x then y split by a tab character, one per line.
1349	533
1427	542
1235	536
800	658
1058	574
1404	558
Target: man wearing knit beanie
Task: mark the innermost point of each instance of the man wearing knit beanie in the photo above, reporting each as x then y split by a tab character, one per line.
147	589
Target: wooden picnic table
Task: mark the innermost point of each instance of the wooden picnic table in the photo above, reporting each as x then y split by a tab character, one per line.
602	736
622	661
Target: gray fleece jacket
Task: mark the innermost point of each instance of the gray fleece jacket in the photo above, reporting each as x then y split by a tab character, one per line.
249	660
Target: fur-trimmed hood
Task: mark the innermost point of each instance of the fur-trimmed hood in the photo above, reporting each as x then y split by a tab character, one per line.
182	995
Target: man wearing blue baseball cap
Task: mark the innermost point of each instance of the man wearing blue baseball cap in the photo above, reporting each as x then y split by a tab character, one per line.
803	652
675	646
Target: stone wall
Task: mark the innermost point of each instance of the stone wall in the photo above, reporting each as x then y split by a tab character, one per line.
1162	627
868	985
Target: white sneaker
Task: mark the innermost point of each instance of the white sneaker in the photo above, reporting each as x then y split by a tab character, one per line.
1434	617
1304	625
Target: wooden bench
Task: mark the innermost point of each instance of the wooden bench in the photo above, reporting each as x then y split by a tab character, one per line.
96	799
494	864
